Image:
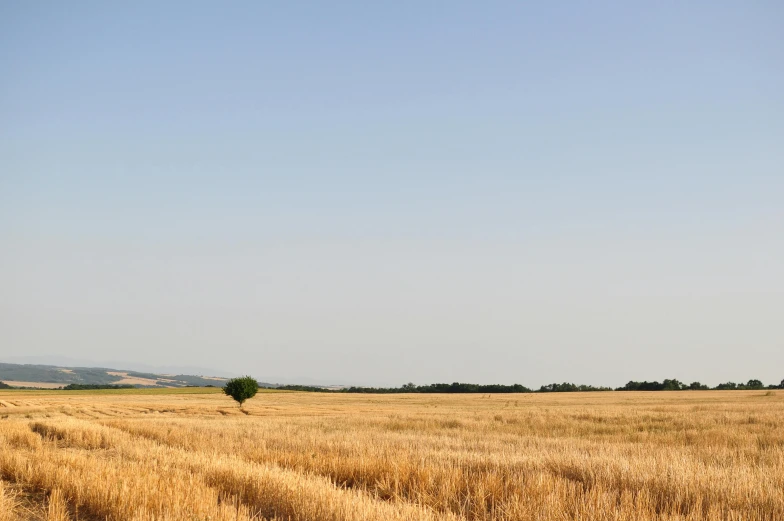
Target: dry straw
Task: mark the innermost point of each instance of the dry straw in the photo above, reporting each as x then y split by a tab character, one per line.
595	456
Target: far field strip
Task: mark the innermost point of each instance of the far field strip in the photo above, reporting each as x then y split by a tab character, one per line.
44	385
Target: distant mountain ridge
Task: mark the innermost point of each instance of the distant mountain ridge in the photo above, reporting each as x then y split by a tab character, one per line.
127	365
52	376
66	362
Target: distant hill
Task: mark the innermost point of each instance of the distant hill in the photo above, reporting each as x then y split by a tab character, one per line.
127	365
51	376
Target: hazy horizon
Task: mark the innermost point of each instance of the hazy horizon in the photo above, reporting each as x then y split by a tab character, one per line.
384	193
290	379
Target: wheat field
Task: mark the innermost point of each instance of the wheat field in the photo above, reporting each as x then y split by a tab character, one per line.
709	455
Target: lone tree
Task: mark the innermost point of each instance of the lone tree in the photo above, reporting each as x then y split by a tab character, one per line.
241	388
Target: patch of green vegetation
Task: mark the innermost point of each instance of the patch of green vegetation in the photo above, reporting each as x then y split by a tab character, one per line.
94	387
136	374
198	380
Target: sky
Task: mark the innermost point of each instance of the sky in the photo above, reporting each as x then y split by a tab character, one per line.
383	192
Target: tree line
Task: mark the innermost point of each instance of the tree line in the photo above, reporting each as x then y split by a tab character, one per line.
675	385
95	387
466	388
566	387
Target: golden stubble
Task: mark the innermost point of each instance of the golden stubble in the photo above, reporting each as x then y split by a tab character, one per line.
311	456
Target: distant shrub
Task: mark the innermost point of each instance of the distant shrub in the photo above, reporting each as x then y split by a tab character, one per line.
241	389
642	386
727	386
567	387
672	385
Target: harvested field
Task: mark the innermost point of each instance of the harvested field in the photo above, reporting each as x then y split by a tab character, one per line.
131	380
41	385
711	455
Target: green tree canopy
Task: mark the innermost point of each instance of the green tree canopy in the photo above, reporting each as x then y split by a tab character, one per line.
241	389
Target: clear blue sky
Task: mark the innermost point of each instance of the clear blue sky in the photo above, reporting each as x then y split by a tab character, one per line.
377	193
